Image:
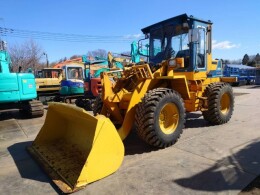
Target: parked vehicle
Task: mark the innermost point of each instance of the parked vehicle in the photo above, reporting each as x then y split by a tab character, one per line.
245	74
17	90
153	95
48	81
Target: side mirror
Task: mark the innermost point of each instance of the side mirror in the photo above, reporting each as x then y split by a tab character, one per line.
143	46
194	35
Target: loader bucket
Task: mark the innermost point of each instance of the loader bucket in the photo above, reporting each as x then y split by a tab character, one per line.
76	148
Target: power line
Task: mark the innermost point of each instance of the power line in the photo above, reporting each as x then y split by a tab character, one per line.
9	32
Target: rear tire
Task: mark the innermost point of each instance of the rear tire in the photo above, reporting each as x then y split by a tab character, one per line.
220	103
160	117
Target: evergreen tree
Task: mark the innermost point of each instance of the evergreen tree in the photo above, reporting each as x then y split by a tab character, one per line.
257	58
245	59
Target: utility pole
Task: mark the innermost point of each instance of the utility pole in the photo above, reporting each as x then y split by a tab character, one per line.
47	61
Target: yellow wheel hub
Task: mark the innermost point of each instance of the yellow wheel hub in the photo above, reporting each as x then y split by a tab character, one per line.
169	118
225	103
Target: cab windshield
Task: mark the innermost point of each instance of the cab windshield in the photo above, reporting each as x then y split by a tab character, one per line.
171	41
75	73
50	73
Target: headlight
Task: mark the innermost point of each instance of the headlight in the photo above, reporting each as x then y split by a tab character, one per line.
172	62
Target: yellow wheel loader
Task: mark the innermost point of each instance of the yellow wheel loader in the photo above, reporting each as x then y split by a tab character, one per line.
76	148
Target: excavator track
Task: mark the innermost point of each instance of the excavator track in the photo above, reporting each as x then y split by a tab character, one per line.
33	108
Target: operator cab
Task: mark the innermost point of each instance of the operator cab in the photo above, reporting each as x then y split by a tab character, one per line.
179	37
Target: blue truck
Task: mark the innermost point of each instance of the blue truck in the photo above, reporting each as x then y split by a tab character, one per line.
17	90
245	74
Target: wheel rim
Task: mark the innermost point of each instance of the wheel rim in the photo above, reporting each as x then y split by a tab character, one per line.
225	103
169	118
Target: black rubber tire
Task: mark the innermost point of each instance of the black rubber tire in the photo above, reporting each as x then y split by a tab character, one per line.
214	93
97	105
248	82
206	93
32	109
86	104
57	98
235	84
79	102
147	117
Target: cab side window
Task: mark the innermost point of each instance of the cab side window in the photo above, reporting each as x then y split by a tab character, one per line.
201	48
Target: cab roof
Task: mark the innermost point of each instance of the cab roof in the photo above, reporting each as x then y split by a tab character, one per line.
176	19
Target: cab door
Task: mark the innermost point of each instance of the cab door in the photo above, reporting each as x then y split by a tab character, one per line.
201	57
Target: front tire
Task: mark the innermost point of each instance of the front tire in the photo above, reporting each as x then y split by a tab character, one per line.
86	104
160	117
97	105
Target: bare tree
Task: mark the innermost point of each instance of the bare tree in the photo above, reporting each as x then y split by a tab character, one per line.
75	56
26	55
98	53
237	61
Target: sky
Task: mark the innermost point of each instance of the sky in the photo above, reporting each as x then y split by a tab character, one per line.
236	24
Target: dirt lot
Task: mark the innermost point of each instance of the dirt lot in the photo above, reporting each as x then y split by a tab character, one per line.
206	160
